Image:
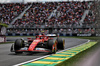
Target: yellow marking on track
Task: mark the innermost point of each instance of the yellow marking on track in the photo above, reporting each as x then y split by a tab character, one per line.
67	58
45	62
71	54
54	58
59	62
60	55
67	53
73	51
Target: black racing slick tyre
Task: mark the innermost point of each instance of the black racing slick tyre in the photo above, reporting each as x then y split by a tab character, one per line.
19	43
52	46
60	43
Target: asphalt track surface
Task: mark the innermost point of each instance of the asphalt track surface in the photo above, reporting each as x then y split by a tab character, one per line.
8	58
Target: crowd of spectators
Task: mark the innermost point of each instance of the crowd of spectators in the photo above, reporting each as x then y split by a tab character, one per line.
68	13
25	31
37	14
8	11
55	31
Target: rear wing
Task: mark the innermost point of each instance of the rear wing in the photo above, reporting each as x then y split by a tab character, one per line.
52	35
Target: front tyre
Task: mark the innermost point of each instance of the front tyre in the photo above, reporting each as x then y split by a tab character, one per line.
60	43
19	43
52	46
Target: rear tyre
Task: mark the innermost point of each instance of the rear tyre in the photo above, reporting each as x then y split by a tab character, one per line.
60	43
19	43
52	46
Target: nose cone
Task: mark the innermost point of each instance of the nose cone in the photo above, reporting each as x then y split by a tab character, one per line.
33	45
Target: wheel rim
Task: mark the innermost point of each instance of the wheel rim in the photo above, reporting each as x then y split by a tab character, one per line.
53	48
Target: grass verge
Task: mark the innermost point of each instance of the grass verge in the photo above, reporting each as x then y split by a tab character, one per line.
75	59
91	38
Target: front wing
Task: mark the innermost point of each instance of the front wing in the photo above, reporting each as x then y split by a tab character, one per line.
25	49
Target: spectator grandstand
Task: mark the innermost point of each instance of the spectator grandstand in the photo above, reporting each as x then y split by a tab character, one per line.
50	17
37	15
8	11
70	13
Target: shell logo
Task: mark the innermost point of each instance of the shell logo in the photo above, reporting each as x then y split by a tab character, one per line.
34	43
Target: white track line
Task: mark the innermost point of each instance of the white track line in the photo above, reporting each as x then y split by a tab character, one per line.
46	55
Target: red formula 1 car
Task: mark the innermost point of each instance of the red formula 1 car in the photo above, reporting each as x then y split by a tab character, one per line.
41	43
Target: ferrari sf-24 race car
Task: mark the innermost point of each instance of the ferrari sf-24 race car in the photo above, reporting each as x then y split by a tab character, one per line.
41	43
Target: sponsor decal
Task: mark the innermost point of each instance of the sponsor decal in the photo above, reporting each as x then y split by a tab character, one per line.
84	34
3	30
2	39
36	40
51	34
40	49
25	48
97	34
34	43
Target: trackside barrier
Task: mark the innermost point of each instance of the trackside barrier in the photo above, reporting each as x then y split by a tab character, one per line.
60	34
2	39
57	58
